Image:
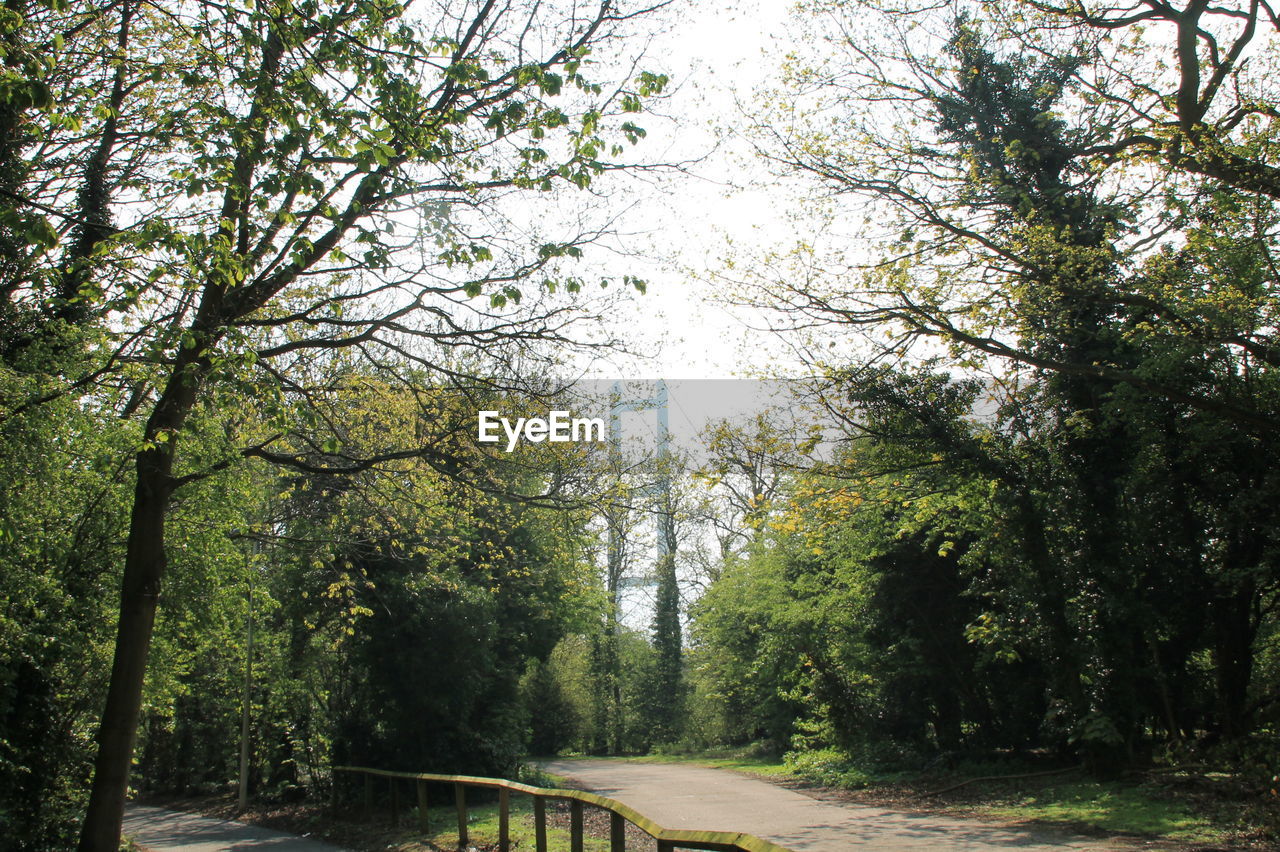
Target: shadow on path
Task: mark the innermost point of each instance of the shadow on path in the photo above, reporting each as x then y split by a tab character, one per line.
160	830
679	796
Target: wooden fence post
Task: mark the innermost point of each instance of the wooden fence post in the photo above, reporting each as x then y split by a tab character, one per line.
504	820
395	802
460	799
424	821
368	797
540	824
575	825
617	833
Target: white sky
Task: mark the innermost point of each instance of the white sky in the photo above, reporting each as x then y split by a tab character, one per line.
716	53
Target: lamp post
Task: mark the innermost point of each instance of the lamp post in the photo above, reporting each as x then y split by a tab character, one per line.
246	700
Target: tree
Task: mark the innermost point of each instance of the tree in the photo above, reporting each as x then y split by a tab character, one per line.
326	179
743	657
553	721
62	501
985	120
1039	232
748	464
664	686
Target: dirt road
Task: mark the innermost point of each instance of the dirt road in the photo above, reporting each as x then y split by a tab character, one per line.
690	797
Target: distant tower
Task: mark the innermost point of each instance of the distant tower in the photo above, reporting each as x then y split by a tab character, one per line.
661	487
662	694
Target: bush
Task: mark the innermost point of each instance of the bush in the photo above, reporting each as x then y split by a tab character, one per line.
827	766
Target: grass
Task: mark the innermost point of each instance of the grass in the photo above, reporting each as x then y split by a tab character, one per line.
482	829
747	760
1111	807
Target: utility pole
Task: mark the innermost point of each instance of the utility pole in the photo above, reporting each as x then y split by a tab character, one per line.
246	701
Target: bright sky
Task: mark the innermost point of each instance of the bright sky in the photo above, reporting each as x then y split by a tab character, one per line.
716	53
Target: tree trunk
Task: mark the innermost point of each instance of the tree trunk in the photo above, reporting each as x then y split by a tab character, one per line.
1233	652
144	566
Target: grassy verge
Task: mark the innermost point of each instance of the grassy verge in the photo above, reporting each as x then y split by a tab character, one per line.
766	767
482	830
1111	807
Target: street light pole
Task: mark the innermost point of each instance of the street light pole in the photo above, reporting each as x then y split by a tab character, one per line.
244	712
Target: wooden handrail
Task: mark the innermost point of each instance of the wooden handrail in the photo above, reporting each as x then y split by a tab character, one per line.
668	839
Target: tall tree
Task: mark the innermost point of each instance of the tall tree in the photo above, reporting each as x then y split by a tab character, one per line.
665	686
982	171
264	185
1042	200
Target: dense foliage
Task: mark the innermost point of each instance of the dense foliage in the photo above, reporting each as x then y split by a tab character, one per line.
931	592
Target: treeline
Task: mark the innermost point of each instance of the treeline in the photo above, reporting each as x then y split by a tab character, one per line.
1050	523
956	586
443	612
395	617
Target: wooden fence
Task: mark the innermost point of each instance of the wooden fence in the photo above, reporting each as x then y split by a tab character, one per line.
668	840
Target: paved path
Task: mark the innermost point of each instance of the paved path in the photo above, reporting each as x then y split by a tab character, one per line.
691	797
159	830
